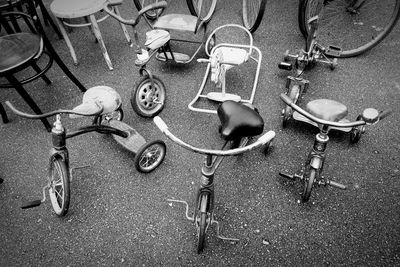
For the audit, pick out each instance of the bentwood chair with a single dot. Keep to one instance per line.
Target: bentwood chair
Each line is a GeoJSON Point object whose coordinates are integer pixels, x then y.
{"type": "Point", "coordinates": [20, 51]}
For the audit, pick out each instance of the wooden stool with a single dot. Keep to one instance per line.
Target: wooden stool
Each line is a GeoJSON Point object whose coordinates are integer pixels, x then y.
{"type": "Point", "coordinates": [85, 9]}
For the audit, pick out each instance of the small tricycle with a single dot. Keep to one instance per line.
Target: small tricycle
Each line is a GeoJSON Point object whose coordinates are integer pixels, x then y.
{"type": "Point", "coordinates": [240, 123]}
{"type": "Point", "coordinates": [104, 104]}
{"type": "Point", "coordinates": [326, 114]}
{"type": "Point", "coordinates": [148, 96]}
{"type": "Point", "coordinates": [223, 57]}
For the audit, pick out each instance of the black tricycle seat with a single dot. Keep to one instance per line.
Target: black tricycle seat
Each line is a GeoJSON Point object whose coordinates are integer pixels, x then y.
{"type": "Point", "coordinates": [239, 120]}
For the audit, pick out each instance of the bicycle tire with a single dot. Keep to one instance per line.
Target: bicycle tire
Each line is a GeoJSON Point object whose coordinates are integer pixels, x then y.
{"type": "Point", "coordinates": [287, 112]}
{"type": "Point", "coordinates": [202, 223]}
{"type": "Point", "coordinates": [151, 14]}
{"type": "Point", "coordinates": [356, 31]}
{"type": "Point", "coordinates": [59, 190]}
{"type": "Point", "coordinates": [150, 156]}
{"type": "Point", "coordinates": [308, 184]}
{"type": "Point", "coordinates": [146, 100]}
{"type": "Point", "coordinates": [207, 9]}
{"type": "Point", "coordinates": [252, 13]}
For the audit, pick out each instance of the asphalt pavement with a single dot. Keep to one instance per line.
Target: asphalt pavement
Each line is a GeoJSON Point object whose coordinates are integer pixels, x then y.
{"type": "Point", "coordinates": [120, 217]}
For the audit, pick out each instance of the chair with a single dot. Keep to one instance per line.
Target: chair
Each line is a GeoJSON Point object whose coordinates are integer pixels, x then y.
{"type": "Point", "coordinates": [20, 5]}
{"type": "Point", "coordinates": [20, 51]}
{"type": "Point", "coordinates": [65, 11]}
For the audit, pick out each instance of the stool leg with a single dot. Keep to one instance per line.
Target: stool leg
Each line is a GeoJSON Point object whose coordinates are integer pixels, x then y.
{"type": "Point", "coordinates": [97, 33]}
{"type": "Point", "coordinates": [46, 17]}
{"type": "Point", "coordinates": [90, 28]}
{"type": "Point", "coordinates": [128, 38]}
{"type": "Point", "coordinates": [3, 114]}
{"type": "Point", "coordinates": [28, 99]}
{"type": "Point", "coordinates": [67, 40]}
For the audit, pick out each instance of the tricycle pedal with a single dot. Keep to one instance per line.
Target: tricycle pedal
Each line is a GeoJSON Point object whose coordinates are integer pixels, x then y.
{"type": "Point", "coordinates": [335, 184]}
{"type": "Point", "coordinates": [333, 51]}
{"type": "Point", "coordinates": [288, 176]}
{"type": "Point", "coordinates": [31, 204]}
{"type": "Point", "coordinates": [285, 66]}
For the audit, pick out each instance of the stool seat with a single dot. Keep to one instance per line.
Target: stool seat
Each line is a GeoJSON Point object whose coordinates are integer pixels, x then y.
{"type": "Point", "coordinates": [76, 8]}
{"type": "Point", "coordinates": [327, 109]}
{"type": "Point", "coordinates": [177, 22]}
{"type": "Point", "coordinates": [239, 120]}
{"type": "Point", "coordinates": [22, 46]}
{"type": "Point", "coordinates": [65, 10]}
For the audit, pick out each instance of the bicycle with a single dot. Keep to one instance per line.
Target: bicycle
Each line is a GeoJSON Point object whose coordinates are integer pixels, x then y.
{"type": "Point", "coordinates": [148, 96]}
{"type": "Point", "coordinates": [307, 58]}
{"type": "Point", "coordinates": [252, 13]}
{"type": "Point", "coordinates": [239, 124]}
{"type": "Point", "coordinates": [326, 115]}
{"type": "Point", "coordinates": [354, 25]}
{"type": "Point", "coordinates": [223, 57]}
{"type": "Point", "coordinates": [104, 104]}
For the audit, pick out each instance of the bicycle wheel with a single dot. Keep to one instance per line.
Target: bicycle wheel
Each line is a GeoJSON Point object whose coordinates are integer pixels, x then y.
{"type": "Point", "coordinates": [151, 14]}
{"type": "Point", "coordinates": [309, 180]}
{"type": "Point", "coordinates": [148, 100]}
{"type": "Point", "coordinates": [207, 8]}
{"type": "Point", "coordinates": [287, 112]}
{"type": "Point", "coordinates": [59, 190]}
{"type": "Point", "coordinates": [201, 223]}
{"type": "Point", "coordinates": [356, 132]}
{"type": "Point", "coordinates": [355, 26]}
{"type": "Point", "coordinates": [150, 156]}
{"type": "Point", "coordinates": [253, 12]}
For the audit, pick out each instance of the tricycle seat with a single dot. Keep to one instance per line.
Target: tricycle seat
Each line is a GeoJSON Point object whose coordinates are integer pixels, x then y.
{"type": "Point", "coordinates": [239, 120]}
{"type": "Point", "coordinates": [327, 109]}
{"type": "Point", "coordinates": [177, 22]}
{"type": "Point", "coordinates": [156, 38]}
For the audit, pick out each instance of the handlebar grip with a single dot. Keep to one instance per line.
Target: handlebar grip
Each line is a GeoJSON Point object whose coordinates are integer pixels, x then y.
{"type": "Point", "coordinates": [337, 185]}
{"type": "Point", "coordinates": [265, 138]}
{"type": "Point", "coordinates": [160, 124]}
{"type": "Point", "coordinates": [383, 114]}
{"type": "Point", "coordinates": [286, 99]}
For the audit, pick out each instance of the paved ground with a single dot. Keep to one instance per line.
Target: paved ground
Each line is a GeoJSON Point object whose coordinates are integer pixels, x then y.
{"type": "Point", "coordinates": [121, 217]}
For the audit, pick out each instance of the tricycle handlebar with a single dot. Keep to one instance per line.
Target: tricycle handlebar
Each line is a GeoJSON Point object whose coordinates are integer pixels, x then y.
{"type": "Point", "coordinates": [264, 139]}
{"type": "Point", "coordinates": [52, 113]}
{"type": "Point", "coordinates": [363, 121]}
{"type": "Point", "coordinates": [134, 22]}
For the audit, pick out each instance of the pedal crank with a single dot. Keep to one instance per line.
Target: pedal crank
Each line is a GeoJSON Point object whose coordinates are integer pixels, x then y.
{"type": "Point", "coordinates": [76, 168]}
{"type": "Point", "coordinates": [291, 177]}
{"type": "Point", "coordinates": [221, 236]}
{"type": "Point", "coordinates": [190, 218]}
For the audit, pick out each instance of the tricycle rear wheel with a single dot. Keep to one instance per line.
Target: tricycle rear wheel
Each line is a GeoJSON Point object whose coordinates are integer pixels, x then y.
{"type": "Point", "coordinates": [150, 156]}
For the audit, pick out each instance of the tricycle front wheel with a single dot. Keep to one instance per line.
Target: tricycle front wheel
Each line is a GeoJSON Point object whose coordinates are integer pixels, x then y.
{"type": "Point", "coordinates": [148, 99]}
{"type": "Point", "coordinates": [150, 156]}
{"type": "Point", "coordinates": [59, 190]}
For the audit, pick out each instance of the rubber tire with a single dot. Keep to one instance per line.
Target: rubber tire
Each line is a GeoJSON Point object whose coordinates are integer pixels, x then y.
{"type": "Point", "coordinates": [151, 15]}
{"type": "Point", "coordinates": [253, 27]}
{"type": "Point", "coordinates": [143, 149]}
{"type": "Point", "coordinates": [308, 184]}
{"type": "Point", "coordinates": [193, 11]}
{"type": "Point", "coordinates": [294, 93]}
{"type": "Point", "coordinates": [302, 22]}
{"type": "Point", "coordinates": [356, 132]}
{"type": "Point", "coordinates": [60, 208]}
{"type": "Point", "coordinates": [143, 108]}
